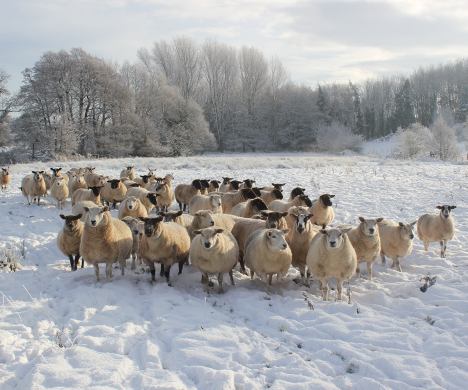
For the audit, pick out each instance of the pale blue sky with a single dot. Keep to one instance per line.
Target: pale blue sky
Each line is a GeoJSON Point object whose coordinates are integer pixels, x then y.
{"type": "Point", "coordinates": [316, 40]}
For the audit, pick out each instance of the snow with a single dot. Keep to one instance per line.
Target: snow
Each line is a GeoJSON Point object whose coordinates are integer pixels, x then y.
{"type": "Point", "coordinates": [134, 334]}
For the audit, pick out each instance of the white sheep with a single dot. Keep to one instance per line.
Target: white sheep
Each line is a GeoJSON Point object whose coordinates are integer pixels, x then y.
{"type": "Point", "coordinates": [165, 197]}
{"type": "Point", "coordinates": [280, 205]}
{"type": "Point", "coordinates": [178, 217]}
{"type": "Point", "coordinates": [224, 187]}
{"type": "Point", "coordinates": [249, 208]}
{"type": "Point", "coordinates": [137, 228]}
{"type": "Point", "coordinates": [437, 227]}
{"type": "Point", "coordinates": [365, 239]}
{"type": "Point", "coordinates": [143, 180]}
{"type": "Point", "coordinates": [231, 199]}
{"type": "Point", "coordinates": [206, 202]}
{"type": "Point", "coordinates": [273, 186]}
{"type": "Point", "coordinates": [184, 192]}
{"type": "Point", "coordinates": [214, 251]}
{"type": "Point", "coordinates": [79, 208]}
{"type": "Point", "coordinates": [93, 194]}
{"type": "Point", "coordinates": [331, 254]}
{"type": "Point", "coordinates": [59, 192]}
{"type": "Point", "coordinates": [56, 173]}
{"type": "Point", "coordinates": [128, 172]}
{"type": "Point", "coordinates": [114, 191]}
{"type": "Point", "coordinates": [201, 219]}
{"type": "Point", "coordinates": [396, 240]}
{"type": "Point", "coordinates": [77, 183]}
{"type": "Point", "coordinates": [132, 207]}
{"type": "Point", "coordinates": [33, 186]}
{"type": "Point", "coordinates": [94, 180]}
{"type": "Point", "coordinates": [299, 240]}
{"type": "Point", "coordinates": [105, 240]}
{"type": "Point", "coordinates": [47, 180]}
{"type": "Point", "coordinates": [322, 210]}
{"type": "Point", "coordinates": [69, 239]}
{"type": "Point", "coordinates": [290, 221]}
{"type": "Point", "coordinates": [5, 178]}
{"type": "Point", "coordinates": [267, 253]}
{"type": "Point", "coordinates": [166, 243]}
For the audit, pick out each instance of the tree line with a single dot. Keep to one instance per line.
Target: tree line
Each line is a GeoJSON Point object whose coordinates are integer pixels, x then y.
{"type": "Point", "coordinates": [181, 97]}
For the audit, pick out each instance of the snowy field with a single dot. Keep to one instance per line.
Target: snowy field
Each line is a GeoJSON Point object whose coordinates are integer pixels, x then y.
{"type": "Point", "coordinates": [60, 330]}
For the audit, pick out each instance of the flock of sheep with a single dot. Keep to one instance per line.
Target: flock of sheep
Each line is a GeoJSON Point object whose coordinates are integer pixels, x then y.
{"type": "Point", "coordinates": [227, 222]}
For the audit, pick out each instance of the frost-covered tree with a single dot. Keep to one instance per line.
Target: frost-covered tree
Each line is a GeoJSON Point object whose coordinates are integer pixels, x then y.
{"type": "Point", "coordinates": [461, 114]}
{"type": "Point", "coordinates": [415, 141]}
{"type": "Point", "coordinates": [444, 143]}
{"type": "Point", "coordinates": [336, 138]}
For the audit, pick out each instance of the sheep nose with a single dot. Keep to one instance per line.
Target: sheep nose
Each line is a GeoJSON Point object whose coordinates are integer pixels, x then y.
{"type": "Point", "coordinates": [300, 229]}
{"type": "Point", "coordinates": [332, 244]}
{"type": "Point", "coordinates": [411, 236]}
{"type": "Point", "coordinates": [371, 231]}
{"type": "Point", "coordinates": [212, 223]}
{"type": "Point", "coordinates": [93, 223]}
{"type": "Point", "coordinates": [284, 246]}
{"type": "Point", "coordinates": [207, 245]}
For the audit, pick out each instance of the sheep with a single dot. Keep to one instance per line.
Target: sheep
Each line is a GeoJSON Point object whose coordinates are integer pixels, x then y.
{"type": "Point", "coordinates": [136, 228]}
{"type": "Point", "coordinates": [59, 191]}
{"type": "Point", "coordinates": [206, 202]}
{"type": "Point", "coordinates": [280, 205]}
{"type": "Point", "coordinates": [234, 185]}
{"type": "Point", "coordinates": [295, 192]}
{"type": "Point", "coordinates": [267, 253]}
{"type": "Point", "coordinates": [243, 228]}
{"type": "Point", "coordinates": [143, 180]}
{"type": "Point", "coordinates": [129, 183]}
{"type": "Point", "coordinates": [70, 175]}
{"type": "Point", "coordinates": [47, 180]}
{"type": "Point", "coordinates": [396, 240]}
{"type": "Point", "coordinates": [365, 239]}
{"type": "Point", "coordinates": [322, 210]}
{"type": "Point", "coordinates": [231, 199]}
{"type": "Point", "coordinates": [33, 186]}
{"type": "Point", "coordinates": [166, 243]}
{"type": "Point", "coordinates": [214, 186]}
{"type": "Point", "coordinates": [290, 221]}
{"type": "Point", "coordinates": [247, 183]}
{"type": "Point", "coordinates": [331, 254]}
{"type": "Point", "coordinates": [270, 196]}
{"type": "Point", "coordinates": [79, 208]}
{"type": "Point", "coordinates": [168, 179]}
{"type": "Point", "coordinates": [114, 191]}
{"type": "Point", "coordinates": [201, 219]}
{"type": "Point", "coordinates": [299, 241]}
{"type": "Point", "coordinates": [214, 251]}
{"type": "Point", "coordinates": [94, 180]}
{"type": "Point", "coordinates": [69, 239]}
{"type": "Point", "coordinates": [56, 173]}
{"type": "Point", "coordinates": [93, 194]}
{"type": "Point", "coordinates": [128, 172]}
{"type": "Point", "coordinates": [224, 187]}
{"type": "Point", "coordinates": [177, 216]}
{"type": "Point", "coordinates": [205, 184]}
{"type": "Point", "coordinates": [165, 197]}
{"type": "Point", "coordinates": [249, 208]}
{"type": "Point", "coordinates": [78, 171]}
{"type": "Point", "coordinates": [105, 240]}
{"type": "Point", "coordinates": [226, 221]}
{"type": "Point", "coordinates": [184, 192]}
{"type": "Point", "coordinates": [276, 186]}
{"type": "Point", "coordinates": [78, 182]}
{"type": "Point", "coordinates": [5, 178]}
{"type": "Point", "coordinates": [437, 227]}
{"type": "Point", "coordinates": [148, 199]}
{"type": "Point", "coordinates": [132, 207]}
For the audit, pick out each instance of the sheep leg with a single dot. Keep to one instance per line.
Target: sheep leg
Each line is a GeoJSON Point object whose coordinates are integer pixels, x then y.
{"type": "Point", "coordinates": [180, 205]}
{"type": "Point", "coordinates": [109, 273]}
{"type": "Point", "coordinates": [220, 283]}
{"type": "Point", "coordinates": [426, 245]}
{"type": "Point", "coordinates": [324, 286]}
{"type": "Point", "coordinates": [167, 272]}
{"type": "Point", "coordinates": [161, 273]}
{"type": "Point", "coordinates": [77, 260]}
{"type": "Point", "coordinates": [123, 265]}
{"type": "Point", "coordinates": [27, 197]}
{"type": "Point", "coordinates": [358, 271]}
{"type": "Point", "coordinates": [263, 277]}
{"type": "Point", "coordinates": [369, 268]}
{"type": "Point", "coordinates": [308, 279]}
{"type": "Point", "coordinates": [270, 279]}
{"type": "Point", "coordinates": [206, 280]}
{"type": "Point", "coordinates": [302, 271]}
{"type": "Point", "coordinates": [396, 263]}
{"type": "Point", "coordinates": [96, 271]}
{"type": "Point", "coordinates": [185, 206]}
{"type": "Point", "coordinates": [38, 200]}
{"type": "Point", "coordinates": [242, 264]}
{"type": "Point", "coordinates": [279, 277]}
{"type": "Point", "coordinates": [443, 247]}
{"type": "Point", "coordinates": [153, 271]}
{"type": "Point", "coordinates": [382, 256]}
{"type": "Point", "coordinates": [181, 264]}
{"type": "Point", "coordinates": [72, 263]}
{"type": "Point", "coordinates": [82, 261]}
{"type": "Point", "coordinates": [133, 266]}
{"type": "Point", "coordinates": [232, 278]}
{"type": "Point", "coordinates": [251, 274]}
{"type": "Point", "coordinates": [339, 288]}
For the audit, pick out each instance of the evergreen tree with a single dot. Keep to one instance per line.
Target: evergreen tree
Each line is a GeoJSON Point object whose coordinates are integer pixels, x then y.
{"type": "Point", "coordinates": [404, 110]}
{"type": "Point", "coordinates": [369, 122]}
{"type": "Point", "coordinates": [461, 114]}
{"type": "Point", "coordinates": [358, 115]}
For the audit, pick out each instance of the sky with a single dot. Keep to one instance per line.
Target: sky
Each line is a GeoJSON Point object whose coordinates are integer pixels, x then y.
{"type": "Point", "coordinates": [317, 40]}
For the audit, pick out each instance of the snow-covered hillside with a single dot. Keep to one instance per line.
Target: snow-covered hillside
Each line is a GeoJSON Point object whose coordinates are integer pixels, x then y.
{"type": "Point", "coordinates": [58, 329]}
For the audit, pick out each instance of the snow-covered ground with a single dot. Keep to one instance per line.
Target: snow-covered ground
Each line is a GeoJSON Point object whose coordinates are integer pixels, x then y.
{"type": "Point", "coordinates": [58, 329]}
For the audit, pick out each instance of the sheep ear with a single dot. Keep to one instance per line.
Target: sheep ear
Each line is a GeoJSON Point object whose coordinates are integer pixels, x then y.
{"type": "Point", "coordinates": [361, 219]}
{"type": "Point", "coordinates": [197, 214]}
{"type": "Point", "coordinates": [63, 216]}
{"type": "Point", "coordinates": [293, 215]}
{"type": "Point", "coordinates": [323, 231]}
{"type": "Point", "coordinates": [86, 209]}
{"type": "Point", "coordinates": [106, 208]}
{"type": "Point", "coordinates": [218, 231]}
{"type": "Point", "coordinates": [75, 217]}
{"type": "Point", "coordinates": [41, 172]}
{"type": "Point", "coordinates": [179, 213]}
{"type": "Point", "coordinates": [331, 196]}
{"type": "Point", "coordinates": [439, 207]}
{"type": "Point", "coordinates": [346, 230]}
{"type": "Point", "coordinates": [144, 219]}
{"type": "Point", "coordinates": [286, 231]}
{"type": "Point", "coordinates": [452, 207]}
{"type": "Point", "coordinates": [265, 214]}
{"type": "Point", "coordinates": [379, 220]}
{"type": "Point", "coordinates": [401, 224]}
{"type": "Point", "coordinates": [159, 219]}
{"type": "Point", "coordinates": [413, 223]}
{"type": "Point", "coordinates": [284, 214]}
{"type": "Point", "coordinates": [162, 213]}
{"type": "Point", "coordinates": [196, 232]}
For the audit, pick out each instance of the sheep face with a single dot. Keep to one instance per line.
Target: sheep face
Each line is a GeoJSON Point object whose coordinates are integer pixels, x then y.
{"type": "Point", "coordinates": [95, 215]}
{"type": "Point", "coordinates": [131, 203]}
{"type": "Point", "coordinates": [152, 197]}
{"type": "Point", "coordinates": [407, 231]}
{"type": "Point", "coordinates": [306, 200]}
{"type": "Point", "coordinates": [38, 175]}
{"type": "Point", "coordinates": [446, 210]}
{"type": "Point", "coordinates": [71, 174]}
{"type": "Point", "coordinates": [152, 172]}
{"type": "Point", "coordinates": [55, 170]}
{"type": "Point", "coordinates": [256, 191]}
{"type": "Point", "coordinates": [278, 186]}
{"type": "Point", "coordinates": [259, 204]}
{"type": "Point", "coordinates": [215, 183]}
{"type": "Point", "coordinates": [368, 225]}
{"type": "Point", "coordinates": [205, 218]}
{"type": "Point", "coordinates": [114, 183]}
{"type": "Point", "coordinates": [151, 226]}
{"type": "Point", "coordinates": [205, 183]}
{"type": "Point", "coordinates": [301, 221]}
{"type": "Point", "coordinates": [296, 191]}
{"type": "Point", "coordinates": [59, 182]}
{"type": "Point", "coordinates": [235, 184]}
{"type": "Point", "coordinates": [248, 193]}
{"type": "Point", "coordinates": [80, 179]}
{"type": "Point", "coordinates": [209, 237]}
{"type": "Point", "coordinates": [227, 180]}
{"type": "Point", "coordinates": [334, 238]}
{"type": "Point", "coordinates": [277, 194]}
{"type": "Point", "coordinates": [197, 184]}
{"type": "Point", "coordinates": [275, 239]}
{"type": "Point", "coordinates": [133, 224]}
{"type": "Point", "coordinates": [6, 171]}
{"type": "Point", "coordinates": [216, 200]}
{"type": "Point", "coordinates": [249, 183]}
{"type": "Point", "coordinates": [72, 222]}
{"type": "Point", "coordinates": [129, 169]}
{"type": "Point", "coordinates": [171, 216]}
{"type": "Point", "coordinates": [326, 199]}
{"type": "Point", "coordinates": [273, 218]}
{"type": "Point", "coordinates": [169, 176]}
